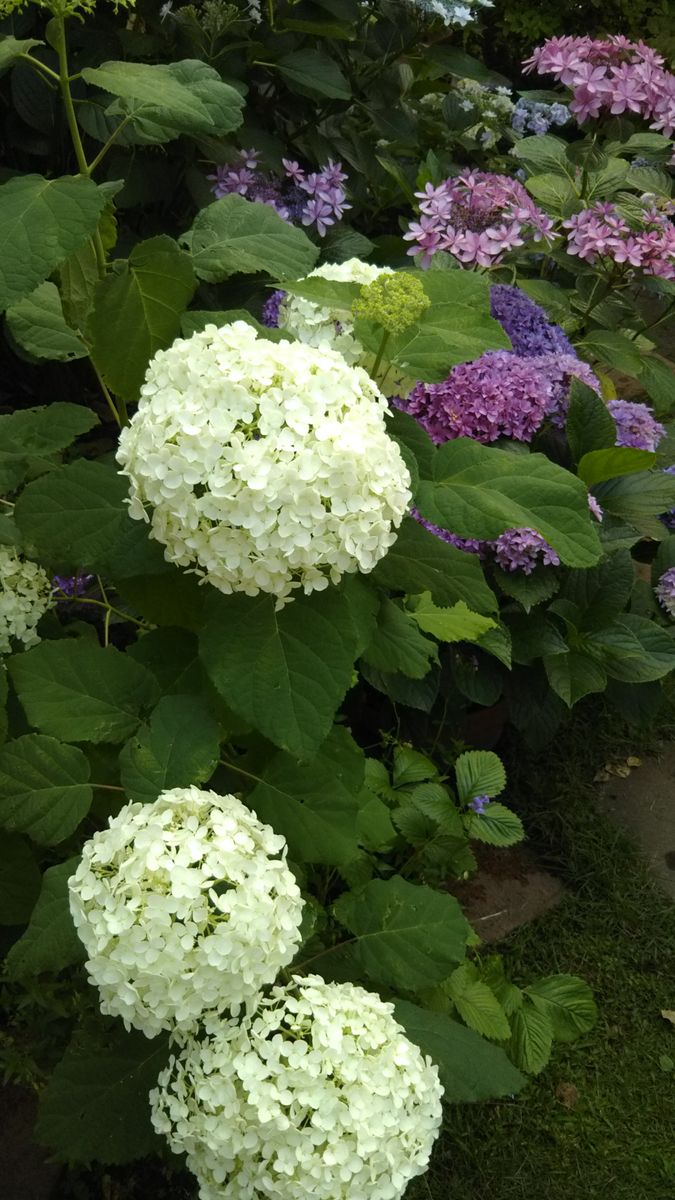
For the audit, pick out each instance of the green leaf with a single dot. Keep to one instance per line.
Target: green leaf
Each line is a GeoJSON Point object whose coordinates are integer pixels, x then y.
{"type": "Point", "coordinates": [470, 1068]}
{"type": "Point", "coordinates": [589, 425]}
{"type": "Point", "coordinates": [479, 773]}
{"type": "Point", "coordinates": [568, 1003]}
{"type": "Point", "coordinates": [405, 935]}
{"type": "Point", "coordinates": [634, 649]}
{"type": "Point", "coordinates": [12, 48]}
{"type": "Point", "coordinates": [614, 349]}
{"type": "Point", "coordinates": [38, 325]}
{"type": "Point", "coordinates": [544, 153]}
{"type": "Point", "coordinates": [420, 562]}
{"type": "Point", "coordinates": [95, 1106]}
{"type": "Point", "coordinates": [398, 645]}
{"type": "Point", "coordinates": [283, 672]}
{"type": "Point", "coordinates": [531, 1038]}
{"type": "Point", "coordinates": [497, 825]}
{"type": "Point", "coordinates": [657, 380]}
{"type": "Point", "coordinates": [4, 691]}
{"type": "Point", "coordinates": [42, 221]}
{"type": "Point", "coordinates": [30, 437]}
{"type": "Point", "coordinates": [314, 74]}
{"type": "Point", "coordinates": [80, 692]}
{"type": "Point", "coordinates": [138, 306]}
{"type": "Point", "coordinates": [637, 496]}
{"type": "Point", "coordinates": [529, 590]}
{"type": "Point", "coordinates": [78, 276]}
{"type": "Point", "coordinates": [75, 514]}
{"type": "Point", "coordinates": [411, 767]}
{"type": "Point", "coordinates": [236, 235]}
{"type": "Point", "coordinates": [315, 804]}
{"type": "Point", "coordinates": [415, 693]}
{"type": "Point", "coordinates": [598, 465]}
{"type": "Point", "coordinates": [178, 747]}
{"type": "Point", "coordinates": [477, 1004]}
{"type": "Point", "coordinates": [480, 492]}
{"type": "Point", "coordinates": [172, 655]}
{"type": "Point", "coordinates": [195, 320]}
{"type": "Point", "coordinates": [456, 624]}
{"type": "Point", "coordinates": [601, 593]}
{"type": "Point", "coordinates": [20, 880]}
{"type": "Point", "coordinates": [183, 97]}
{"type": "Point", "coordinates": [373, 824]}
{"type": "Point", "coordinates": [50, 942]}
{"type": "Point", "coordinates": [574, 675]}
{"type": "Point", "coordinates": [44, 788]}
{"type": "Point", "coordinates": [555, 192]}
{"type": "Point", "coordinates": [606, 182]}
{"type": "Point", "coordinates": [435, 802]}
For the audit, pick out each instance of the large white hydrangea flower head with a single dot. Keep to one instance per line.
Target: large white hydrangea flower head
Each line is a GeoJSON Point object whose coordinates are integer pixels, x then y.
{"type": "Point", "coordinates": [184, 905]}
{"type": "Point", "coordinates": [318, 326]}
{"type": "Point", "coordinates": [266, 466]}
{"type": "Point", "coordinates": [25, 596]}
{"type": "Point", "coordinates": [316, 1094]}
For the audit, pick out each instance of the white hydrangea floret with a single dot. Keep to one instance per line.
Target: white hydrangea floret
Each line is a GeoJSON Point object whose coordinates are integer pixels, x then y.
{"type": "Point", "coordinates": [25, 596]}
{"type": "Point", "coordinates": [267, 466]}
{"type": "Point", "coordinates": [184, 905]}
{"type": "Point", "coordinates": [316, 1094]}
{"type": "Point", "coordinates": [318, 326]}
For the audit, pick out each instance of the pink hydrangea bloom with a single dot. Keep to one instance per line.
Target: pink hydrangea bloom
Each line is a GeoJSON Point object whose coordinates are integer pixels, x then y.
{"type": "Point", "coordinates": [612, 75]}
{"type": "Point", "coordinates": [317, 199]}
{"type": "Point", "coordinates": [601, 231]}
{"type": "Point", "coordinates": [478, 217]}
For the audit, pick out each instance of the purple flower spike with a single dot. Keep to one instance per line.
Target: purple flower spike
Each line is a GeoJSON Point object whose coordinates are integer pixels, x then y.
{"type": "Point", "coordinates": [479, 804]}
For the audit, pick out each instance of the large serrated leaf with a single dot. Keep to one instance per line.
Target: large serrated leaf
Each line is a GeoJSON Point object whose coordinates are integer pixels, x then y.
{"type": "Point", "coordinates": [38, 325]}
{"type": "Point", "coordinates": [479, 773]}
{"type": "Point", "coordinates": [470, 1068]}
{"type": "Point", "coordinates": [50, 942]}
{"type": "Point", "coordinates": [477, 1004]}
{"type": "Point", "coordinates": [182, 97]}
{"type": "Point", "coordinates": [95, 1106]}
{"type": "Point", "coordinates": [314, 74]}
{"type": "Point", "coordinates": [178, 747]}
{"type": "Point", "coordinates": [75, 514]}
{"type": "Point", "coordinates": [568, 1003]}
{"type": "Point", "coordinates": [42, 221]}
{"type": "Point", "coordinates": [420, 562]}
{"type": "Point", "coordinates": [139, 307]}
{"type": "Point", "coordinates": [30, 437]}
{"type": "Point", "coordinates": [398, 645]}
{"type": "Point", "coordinates": [236, 235]}
{"type": "Point", "coordinates": [531, 1038]}
{"type": "Point", "coordinates": [80, 692]}
{"type": "Point", "coordinates": [497, 825]}
{"type": "Point", "coordinates": [455, 624]}
{"type": "Point", "coordinates": [44, 788]}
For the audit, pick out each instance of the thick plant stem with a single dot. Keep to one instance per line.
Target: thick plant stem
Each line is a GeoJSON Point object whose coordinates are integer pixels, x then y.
{"type": "Point", "coordinates": [380, 353]}
{"type": "Point", "coordinates": [64, 83]}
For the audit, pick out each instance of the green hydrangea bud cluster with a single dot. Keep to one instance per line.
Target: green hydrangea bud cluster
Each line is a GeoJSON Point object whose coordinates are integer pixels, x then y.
{"type": "Point", "coordinates": [394, 301]}
{"type": "Point", "coordinates": [60, 8]}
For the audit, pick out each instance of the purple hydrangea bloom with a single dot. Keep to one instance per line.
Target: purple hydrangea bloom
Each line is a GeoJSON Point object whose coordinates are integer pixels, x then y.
{"type": "Point", "coordinates": [668, 518]}
{"type": "Point", "coordinates": [636, 425]}
{"type": "Point", "coordinates": [469, 545]}
{"type": "Point", "coordinates": [72, 585]}
{"type": "Point", "coordinates": [523, 550]}
{"type": "Point", "coordinates": [479, 804]}
{"type": "Point", "coordinates": [560, 369]}
{"type": "Point", "coordinates": [316, 199]}
{"type": "Point", "coordinates": [526, 323]}
{"type": "Point", "coordinates": [270, 310]}
{"type": "Point", "coordinates": [665, 591]}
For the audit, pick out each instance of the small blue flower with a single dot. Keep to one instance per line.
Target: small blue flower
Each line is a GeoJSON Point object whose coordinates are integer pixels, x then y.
{"type": "Point", "coordinates": [479, 804]}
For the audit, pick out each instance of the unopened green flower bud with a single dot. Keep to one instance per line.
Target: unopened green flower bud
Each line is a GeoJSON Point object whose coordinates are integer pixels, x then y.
{"type": "Point", "coordinates": [394, 301]}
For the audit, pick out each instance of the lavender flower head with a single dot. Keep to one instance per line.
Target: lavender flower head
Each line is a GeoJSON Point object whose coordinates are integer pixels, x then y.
{"type": "Point", "coordinates": [635, 425]}
{"type": "Point", "coordinates": [270, 309]}
{"type": "Point", "coordinates": [526, 323]}
{"type": "Point", "coordinates": [72, 585]}
{"type": "Point", "coordinates": [665, 591]}
{"type": "Point", "coordinates": [316, 199]}
{"type": "Point", "coordinates": [523, 550]}
{"type": "Point", "coordinates": [479, 804]}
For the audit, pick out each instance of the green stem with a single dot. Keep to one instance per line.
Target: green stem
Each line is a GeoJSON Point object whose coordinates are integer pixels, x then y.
{"type": "Point", "coordinates": [40, 66]}
{"type": "Point", "coordinates": [64, 83]}
{"type": "Point", "coordinates": [120, 416]}
{"type": "Point", "coordinates": [585, 170]}
{"type": "Point", "coordinates": [380, 354]}
{"type": "Point", "coordinates": [113, 136]}
{"type": "Point", "coordinates": [110, 608]}
{"type": "Point", "coordinates": [240, 771]}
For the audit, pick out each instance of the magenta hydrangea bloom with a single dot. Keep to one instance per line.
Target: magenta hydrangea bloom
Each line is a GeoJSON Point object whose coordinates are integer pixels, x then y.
{"type": "Point", "coordinates": [317, 199]}
{"type": "Point", "coordinates": [526, 323]}
{"type": "Point", "coordinates": [601, 231]}
{"type": "Point", "coordinates": [665, 591]}
{"type": "Point", "coordinates": [636, 425]}
{"type": "Point", "coordinates": [477, 217]}
{"type": "Point", "coordinates": [523, 550]}
{"type": "Point", "coordinates": [610, 76]}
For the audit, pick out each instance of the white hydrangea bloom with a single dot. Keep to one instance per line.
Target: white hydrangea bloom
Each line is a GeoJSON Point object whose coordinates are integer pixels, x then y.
{"type": "Point", "coordinates": [317, 1094]}
{"type": "Point", "coordinates": [267, 465]}
{"type": "Point", "coordinates": [184, 905]}
{"type": "Point", "coordinates": [25, 597]}
{"type": "Point", "coordinates": [318, 326]}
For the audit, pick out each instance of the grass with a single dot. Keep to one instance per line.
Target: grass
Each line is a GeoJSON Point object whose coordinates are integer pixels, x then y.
{"type": "Point", "coordinates": [617, 930]}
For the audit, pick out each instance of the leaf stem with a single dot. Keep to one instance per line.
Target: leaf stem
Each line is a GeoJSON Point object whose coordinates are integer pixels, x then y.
{"type": "Point", "coordinates": [110, 608]}
{"type": "Point", "coordinates": [40, 66]}
{"type": "Point", "coordinates": [240, 771]}
{"type": "Point", "coordinates": [380, 353]}
{"type": "Point", "coordinates": [64, 83]}
{"type": "Point", "coordinates": [104, 150]}
{"type": "Point", "coordinates": [120, 418]}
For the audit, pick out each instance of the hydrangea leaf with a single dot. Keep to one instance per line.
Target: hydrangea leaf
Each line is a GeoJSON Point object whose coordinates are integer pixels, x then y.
{"type": "Point", "coordinates": [172, 655]}
{"type": "Point", "coordinates": [405, 935]}
{"type": "Point", "coordinates": [401, 689]}
{"type": "Point", "coordinates": [95, 1106]}
{"type": "Point", "coordinates": [315, 804]}
{"type": "Point", "coordinates": [479, 773]}
{"type": "Point", "coordinates": [42, 221]}
{"type": "Point", "coordinates": [634, 649]}
{"type": "Point", "coordinates": [50, 942]}
{"type": "Point", "coordinates": [470, 1068]}
{"type": "Point", "coordinates": [75, 514]}
{"type": "Point", "coordinates": [178, 747]}
{"type": "Point", "coordinates": [236, 235]}
{"type": "Point", "coordinates": [568, 1003]}
{"type": "Point", "coordinates": [529, 590]}
{"type": "Point", "coordinates": [639, 496]}
{"type": "Point", "coordinates": [556, 193]}
{"type": "Point", "coordinates": [139, 306]}
{"type": "Point", "coordinates": [614, 349]}
{"type": "Point", "coordinates": [19, 880]}
{"type": "Point", "coordinates": [44, 788]}
{"type": "Point", "coordinates": [38, 326]}
{"type": "Point", "coordinates": [574, 675]}
{"type": "Point", "coordinates": [4, 691]}
{"type": "Point", "coordinates": [12, 48]}
{"type": "Point", "coordinates": [283, 672]}
{"type": "Point", "coordinates": [543, 152]}
{"type": "Point", "coordinates": [30, 437]}
{"type": "Point", "coordinates": [314, 74]}
{"type": "Point", "coordinates": [480, 492]}
{"type": "Point", "coordinates": [601, 593]}
{"type": "Point", "coordinates": [80, 692]}
{"type": "Point", "coordinates": [455, 624]}
{"type": "Point", "coordinates": [598, 465]}
{"type": "Point", "coordinates": [420, 562]}
{"type": "Point", "coordinates": [194, 320]}
{"type": "Point", "coordinates": [398, 645]}
{"type": "Point", "coordinates": [183, 97]}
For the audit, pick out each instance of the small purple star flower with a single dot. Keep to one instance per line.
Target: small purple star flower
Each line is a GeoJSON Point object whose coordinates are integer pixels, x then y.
{"type": "Point", "coordinates": [479, 804]}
